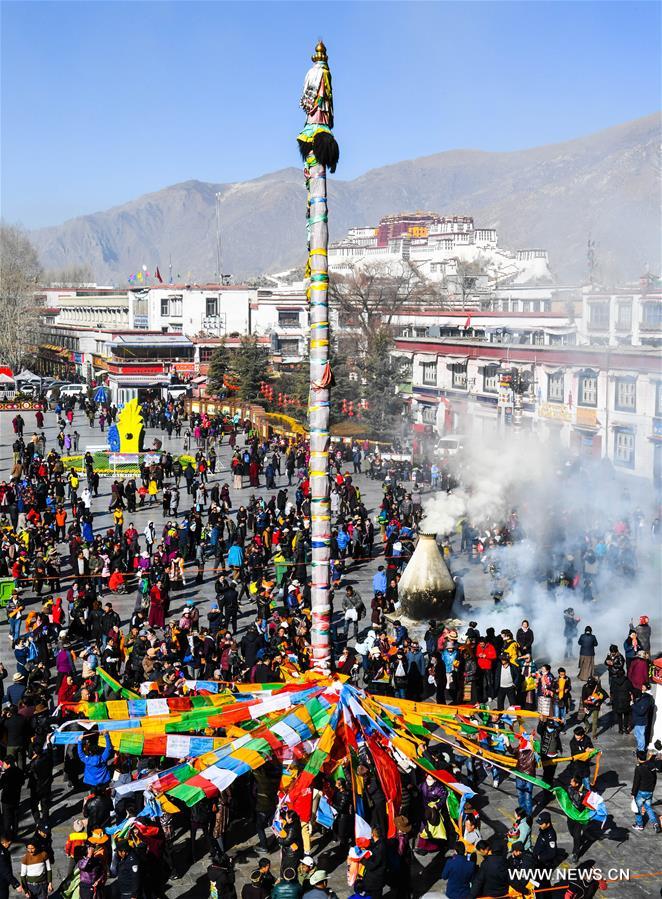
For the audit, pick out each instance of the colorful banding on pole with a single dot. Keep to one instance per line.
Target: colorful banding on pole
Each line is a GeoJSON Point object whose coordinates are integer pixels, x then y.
{"type": "Point", "coordinates": [319, 151]}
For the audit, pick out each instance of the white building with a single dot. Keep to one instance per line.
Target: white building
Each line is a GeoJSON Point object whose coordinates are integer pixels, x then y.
{"type": "Point", "coordinates": [623, 317]}
{"type": "Point", "coordinates": [596, 401]}
{"type": "Point", "coordinates": [443, 248]}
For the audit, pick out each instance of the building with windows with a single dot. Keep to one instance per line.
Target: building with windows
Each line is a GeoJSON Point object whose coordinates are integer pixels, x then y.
{"type": "Point", "coordinates": [595, 401]}
{"type": "Point", "coordinates": [624, 317]}
{"type": "Point", "coordinates": [448, 249]}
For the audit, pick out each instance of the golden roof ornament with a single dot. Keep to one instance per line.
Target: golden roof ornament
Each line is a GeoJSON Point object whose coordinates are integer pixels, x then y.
{"type": "Point", "coordinates": [320, 53]}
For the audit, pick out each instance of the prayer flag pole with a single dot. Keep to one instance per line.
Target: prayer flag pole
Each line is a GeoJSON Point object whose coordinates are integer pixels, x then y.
{"type": "Point", "coordinates": [319, 151]}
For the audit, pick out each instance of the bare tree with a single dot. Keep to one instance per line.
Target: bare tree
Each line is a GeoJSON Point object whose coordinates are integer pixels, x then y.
{"type": "Point", "coordinates": [76, 276]}
{"type": "Point", "coordinates": [463, 283]}
{"type": "Point", "coordinates": [19, 308]}
{"type": "Point", "coordinates": [369, 297]}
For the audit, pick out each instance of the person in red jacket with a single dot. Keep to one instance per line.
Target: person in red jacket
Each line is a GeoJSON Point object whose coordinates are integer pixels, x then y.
{"type": "Point", "coordinates": [486, 659]}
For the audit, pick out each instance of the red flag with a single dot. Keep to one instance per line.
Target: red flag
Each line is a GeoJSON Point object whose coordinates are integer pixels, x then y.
{"type": "Point", "coordinates": [467, 323]}
{"type": "Point", "coordinates": [158, 275]}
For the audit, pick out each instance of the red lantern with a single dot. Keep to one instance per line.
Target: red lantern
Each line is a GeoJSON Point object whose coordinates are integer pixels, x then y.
{"type": "Point", "coordinates": [351, 408]}
{"type": "Point", "coordinates": [344, 407]}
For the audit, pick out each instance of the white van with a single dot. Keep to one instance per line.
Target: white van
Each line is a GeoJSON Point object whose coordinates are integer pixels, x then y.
{"type": "Point", "coordinates": [450, 446]}
{"type": "Point", "coordinates": [67, 391]}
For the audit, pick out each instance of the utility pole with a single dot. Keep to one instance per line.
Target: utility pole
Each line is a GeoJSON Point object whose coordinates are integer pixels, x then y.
{"type": "Point", "coordinates": [219, 267]}
{"type": "Point", "coordinates": [319, 151]}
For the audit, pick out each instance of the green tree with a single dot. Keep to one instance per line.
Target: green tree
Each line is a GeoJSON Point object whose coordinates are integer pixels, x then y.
{"type": "Point", "coordinates": [250, 367]}
{"type": "Point", "coordinates": [219, 366]}
{"type": "Point", "coordinates": [383, 372]}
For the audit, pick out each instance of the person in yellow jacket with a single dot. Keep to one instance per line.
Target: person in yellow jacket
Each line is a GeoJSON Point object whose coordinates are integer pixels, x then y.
{"type": "Point", "coordinates": [152, 490]}
{"type": "Point", "coordinates": [118, 517]}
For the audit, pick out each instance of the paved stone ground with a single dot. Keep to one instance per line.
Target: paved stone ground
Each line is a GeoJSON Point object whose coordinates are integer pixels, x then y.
{"type": "Point", "coordinates": [640, 853]}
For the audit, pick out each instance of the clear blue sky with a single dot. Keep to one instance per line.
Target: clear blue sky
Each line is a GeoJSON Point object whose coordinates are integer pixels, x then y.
{"type": "Point", "coordinates": [104, 101]}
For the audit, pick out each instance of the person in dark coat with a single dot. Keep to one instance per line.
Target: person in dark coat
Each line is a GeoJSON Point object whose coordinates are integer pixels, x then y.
{"type": "Point", "coordinates": [459, 871]}
{"type": "Point", "coordinates": [291, 841]}
{"type": "Point", "coordinates": [374, 874]}
{"type": "Point", "coordinates": [580, 742]}
{"type": "Point", "coordinates": [524, 637]}
{"type": "Point", "coordinates": [492, 878]}
{"type": "Point", "coordinates": [11, 783]}
{"type": "Point", "coordinates": [7, 877]}
{"type": "Point", "coordinates": [254, 889]}
{"type": "Point", "coordinates": [221, 874]}
{"type": "Point", "coordinates": [344, 822]}
{"type": "Point", "coordinates": [546, 847]}
{"type": "Point", "coordinates": [549, 733]}
{"type": "Point", "coordinates": [128, 872]}
{"type": "Point", "coordinates": [621, 699]}
{"type": "Point", "coordinates": [587, 645]}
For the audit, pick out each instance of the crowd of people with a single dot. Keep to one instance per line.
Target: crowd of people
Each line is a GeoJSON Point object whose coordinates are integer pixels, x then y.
{"type": "Point", "coordinates": [65, 632]}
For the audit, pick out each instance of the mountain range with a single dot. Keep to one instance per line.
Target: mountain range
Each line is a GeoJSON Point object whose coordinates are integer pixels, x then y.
{"type": "Point", "coordinates": [605, 185]}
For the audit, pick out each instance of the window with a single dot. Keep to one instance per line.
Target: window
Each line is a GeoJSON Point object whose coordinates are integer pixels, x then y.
{"type": "Point", "coordinates": [429, 415]}
{"type": "Point", "coordinates": [588, 390]}
{"type": "Point", "coordinates": [165, 306]}
{"type": "Point", "coordinates": [206, 352]}
{"type": "Point", "coordinates": [460, 375]}
{"type": "Point", "coordinates": [652, 315]}
{"type": "Point", "coordinates": [289, 347]}
{"type": "Point", "coordinates": [624, 448]}
{"type": "Point", "coordinates": [407, 370]}
{"type": "Point", "coordinates": [289, 319]}
{"type": "Point", "coordinates": [658, 399]}
{"type": "Point", "coordinates": [211, 306]}
{"type": "Point", "coordinates": [626, 395]}
{"type": "Point", "coordinates": [175, 306]}
{"type": "Point", "coordinates": [599, 315]}
{"type": "Point", "coordinates": [429, 373]}
{"type": "Point", "coordinates": [624, 315]}
{"type": "Point", "coordinates": [555, 387]}
{"type": "Point", "coordinates": [491, 379]}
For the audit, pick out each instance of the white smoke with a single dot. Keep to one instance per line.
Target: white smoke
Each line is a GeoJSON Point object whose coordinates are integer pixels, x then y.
{"type": "Point", "coordinates": [556, 503]}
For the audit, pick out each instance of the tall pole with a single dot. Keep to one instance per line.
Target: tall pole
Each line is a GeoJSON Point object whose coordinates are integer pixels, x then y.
{"type": "Point", "coordinates": [319, 151]}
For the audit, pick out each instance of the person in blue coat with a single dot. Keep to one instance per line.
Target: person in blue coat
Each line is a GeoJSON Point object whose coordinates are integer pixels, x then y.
{"type": "Point", "coordinates": [236, 556]}
{"type": "Point", "coordinates": [458, 871]}
{"type": "Point", "coordinates": [97, 772]}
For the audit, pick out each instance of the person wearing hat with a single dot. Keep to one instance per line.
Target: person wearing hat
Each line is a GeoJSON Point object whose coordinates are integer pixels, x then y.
{"type": "Point", "coordinates": [93, 865]}
{"type": "Point", "coordinates": [545, 848]}
{"type": "Point", "coordinates": [400, 857]}
{"type": "Point", "coordinates": [128, 872]}
{"type": "Point", "coordinates": [287, 887]}
{"type": "Point", "coordinates": [16, 689]}
{"type": "Point", "coordinates": [255, 889]}
{"type": "Point", "coordinates": [74, 848]}
{"type": "Point", "coordinates": [319, 887]}
{"type": "Point", "coordinates": [306, 869]}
